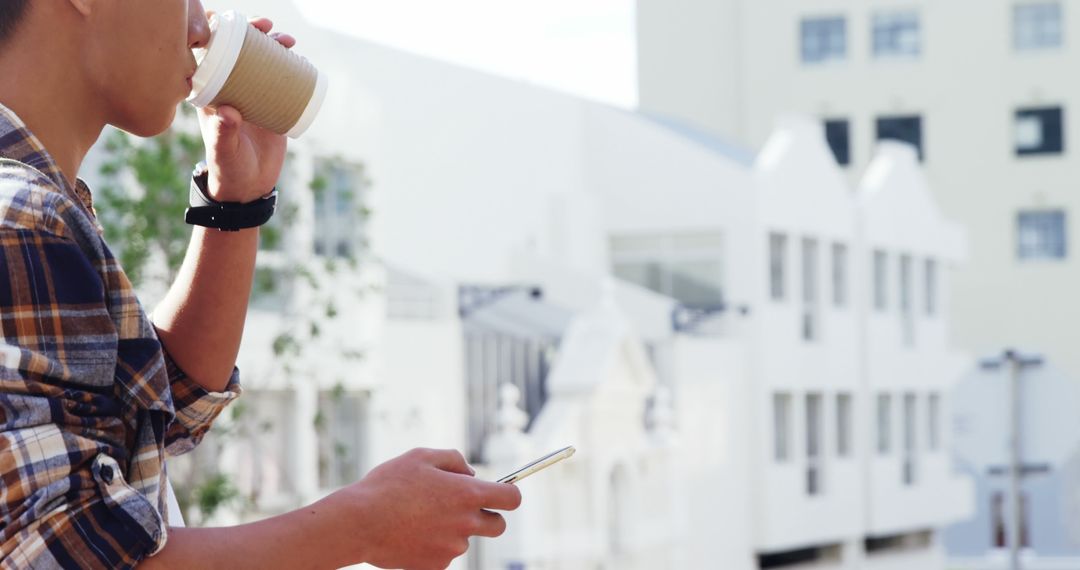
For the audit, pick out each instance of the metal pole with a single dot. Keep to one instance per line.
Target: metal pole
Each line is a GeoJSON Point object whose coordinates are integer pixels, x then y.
{"type": "Point", "coordinates": [1015, 460]}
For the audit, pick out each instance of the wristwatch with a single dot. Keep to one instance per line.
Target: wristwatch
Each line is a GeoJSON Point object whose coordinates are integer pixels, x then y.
{"type": "Point", "coordinates": [225, 216]}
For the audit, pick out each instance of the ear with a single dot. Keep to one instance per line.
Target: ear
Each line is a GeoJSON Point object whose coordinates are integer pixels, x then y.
{"type": "Point", "coordinates": [84, 7]}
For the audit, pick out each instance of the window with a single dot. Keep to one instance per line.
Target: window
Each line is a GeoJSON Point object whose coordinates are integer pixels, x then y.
{"type": "Point", "coordinates": [1000, 528]}
{"type": "Point", "coordinates": [1039, 131]}
{"type": "Point", "coordinates": [907, 317]}
{"type": "Point", "coordinates": [843, 425]}
{"type": "Point", "coordinates": [824, 39]}
{"type": "Point", "coordinates": [813, 444]}
{"type": "Point", "coordinates": [910, 442]}
{"type": "Point", "coordinates": [906, 129]}
{"type": "Point", "coordinates": [884, 429]}
{"type": "Point", "coordinates": [838, 135]}
{"type": "Point", "coordinates": [341, 423]}
{"type": "Point", "coordinates": [777, 253]}
{"type": "Point", "coordinates": [687, 267]}
{"type": "Point", "coordinates": [810, 290]}
{"type": "Point", "coordinates": [339, 193]}
{"type": "Point", "coordinates": [1037, 26]}
{"type": "Point", "coordinates": [933, 421]}
{"type": "Point", "coordinates": [839, 275]}
{"type": "Point", "coordinates": [880, 283]}
{"type": "Point", "coordinates": [930, 295]}
{"type": "Point", "coordinates": [266, 446]}
{"type": "Point", "coordinates": [896, 34]}
{"type": "Point", "coordinates": [1041, 235]}
{"type": "Point", "coordinates": [782, 427]}
{"type": "Point", "coordinates": [997, 520]}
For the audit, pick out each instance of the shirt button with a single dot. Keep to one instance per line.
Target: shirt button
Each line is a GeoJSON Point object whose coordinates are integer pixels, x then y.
{"type": "Point", "coordinates": [107, 474]}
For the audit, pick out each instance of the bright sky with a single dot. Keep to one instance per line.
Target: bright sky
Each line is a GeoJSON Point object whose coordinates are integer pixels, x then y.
{"type": "Point", "coordinates": [584, 47]}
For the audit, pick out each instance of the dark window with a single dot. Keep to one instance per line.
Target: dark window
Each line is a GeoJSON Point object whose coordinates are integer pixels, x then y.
{"type": "Point", "coordinates": [843, 425]}
{"type": "Point", "coordinates": [814, 451]}
{"type": "Point", "coordinates": [777, 255]}
{"type": "Point", "coordinates": [905, 129]}
{"type": "Point", "coordinates": [781, 427]}
{"type": "Point", "coordinates": [880, 285]}
{"type": "Point", "coordinates": [933, 419]}
{"type": "Point", "coordinates": [839, 274]}
{"type": "Point", "coordinates": [789, 558]}
{"type": "Point", "coordinates": [884, 419]}
{"type": "Point", "coordinates": [1039, 131]}
{"type": "Point", "coordinates": [1041, 235]}
{"type": "Point", "coordinates": [911, 453]}
{"type": "Point", "coordinates": [907, 310]}
{"type": "Point", "coordinates": [838, 135]}
{"type": "Point", "coordinates": [999, 526]}
{"type": "Point", "coordinates": [810, 289]}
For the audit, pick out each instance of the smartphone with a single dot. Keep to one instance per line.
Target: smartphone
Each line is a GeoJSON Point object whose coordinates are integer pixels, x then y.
{"type": "Point", "coordinates": [542, 463]}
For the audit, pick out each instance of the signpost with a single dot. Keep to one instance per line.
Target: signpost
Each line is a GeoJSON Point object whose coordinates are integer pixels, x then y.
{"type": "Point", "coordinates": [1016, 364]}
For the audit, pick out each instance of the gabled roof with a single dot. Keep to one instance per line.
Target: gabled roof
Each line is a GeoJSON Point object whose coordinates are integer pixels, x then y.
{"type": "Point", "coordinates": [899, 207]}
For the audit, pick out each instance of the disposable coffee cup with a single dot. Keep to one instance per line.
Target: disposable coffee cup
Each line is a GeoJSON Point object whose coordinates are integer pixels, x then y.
{"type": "Point", "coordinates": [271, 86]}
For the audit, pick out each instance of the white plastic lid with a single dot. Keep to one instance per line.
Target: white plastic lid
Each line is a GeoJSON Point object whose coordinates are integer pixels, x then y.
{"type": "Point", "coordinates": [217, 60]}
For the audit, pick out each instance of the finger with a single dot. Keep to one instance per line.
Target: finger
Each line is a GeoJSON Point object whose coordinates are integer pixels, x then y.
{"type": "Point", "coordinates": [284, 39]}
{"type": "Point", "coordinates": [499, 496]}
{"type": "Point", "coordinates": [490, 524]}
{"type": "Point", "coordinates": [452, 461]}
{"type": "Point", "coordinates": [228, 117]}
{"type": "Point", "coordinates": [264, 25]}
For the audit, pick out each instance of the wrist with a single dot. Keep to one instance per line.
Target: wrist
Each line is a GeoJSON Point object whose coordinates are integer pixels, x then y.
{"type": "Point", "coordinates": [338, 528]}
{"type": "Point", "coordinates": [224, 214]}
{"type": "Point", "coordinates": [224, 193]}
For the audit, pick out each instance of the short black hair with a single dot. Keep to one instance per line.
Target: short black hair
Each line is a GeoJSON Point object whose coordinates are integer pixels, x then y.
{"type": "Point", "coordinates": [11, 12]}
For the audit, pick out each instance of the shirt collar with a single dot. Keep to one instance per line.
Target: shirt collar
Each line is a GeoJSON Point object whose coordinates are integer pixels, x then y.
{"type": "Point", "coordinates": [18, 143]}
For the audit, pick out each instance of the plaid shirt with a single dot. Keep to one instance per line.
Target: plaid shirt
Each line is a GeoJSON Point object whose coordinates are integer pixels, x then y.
{"type": "Point", "coordinates": [90, 403]}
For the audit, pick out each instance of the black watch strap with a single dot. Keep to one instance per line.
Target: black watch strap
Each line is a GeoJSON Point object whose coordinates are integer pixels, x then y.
{"type": "Point", "coordinates": [225, 216]}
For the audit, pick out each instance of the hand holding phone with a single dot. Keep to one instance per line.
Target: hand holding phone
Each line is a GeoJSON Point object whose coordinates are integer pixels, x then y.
{"type": "Point", "coordinates": [542, 463]}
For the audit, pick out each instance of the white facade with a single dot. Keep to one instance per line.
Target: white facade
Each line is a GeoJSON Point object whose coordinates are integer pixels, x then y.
{"type": "Point", "coordinates": [966, 69]}
{"type": "Point", "coordinates": [685, 458]}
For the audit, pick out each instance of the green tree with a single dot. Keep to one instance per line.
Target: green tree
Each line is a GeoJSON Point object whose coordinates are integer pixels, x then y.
{"type": "Point", "coordinates": [144, 193]}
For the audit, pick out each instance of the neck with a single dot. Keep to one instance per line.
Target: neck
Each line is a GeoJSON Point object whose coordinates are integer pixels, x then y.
{"type": "Point", "coordinates": [51, 98]}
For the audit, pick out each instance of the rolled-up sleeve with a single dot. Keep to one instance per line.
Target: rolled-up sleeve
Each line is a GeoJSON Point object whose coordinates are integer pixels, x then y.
{"type": "Point", "coordinates": [196, 407]}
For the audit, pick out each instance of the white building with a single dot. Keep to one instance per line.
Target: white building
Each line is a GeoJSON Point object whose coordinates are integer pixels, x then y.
{"type": "Point", "coordinates": [698, 320]}
{"type": "Point", "coordinates": [981, 88]}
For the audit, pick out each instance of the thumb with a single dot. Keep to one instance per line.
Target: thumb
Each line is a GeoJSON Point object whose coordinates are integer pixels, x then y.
{"type": "Point", "coordinates": [228, 119]}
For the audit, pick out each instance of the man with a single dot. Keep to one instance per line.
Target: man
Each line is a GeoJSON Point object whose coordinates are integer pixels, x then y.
{"type": "Point", "coordinates": [94, 394]}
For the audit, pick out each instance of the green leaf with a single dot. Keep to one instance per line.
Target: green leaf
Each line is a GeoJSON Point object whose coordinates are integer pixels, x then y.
{"type": "Point", "coordinates": [215, 493]}
{"type": "Point", "coordinates": [284, 344]}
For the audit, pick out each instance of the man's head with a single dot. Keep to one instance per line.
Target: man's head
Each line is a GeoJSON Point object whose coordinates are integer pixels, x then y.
{"type": "Point", "coordinates": [132, 57]}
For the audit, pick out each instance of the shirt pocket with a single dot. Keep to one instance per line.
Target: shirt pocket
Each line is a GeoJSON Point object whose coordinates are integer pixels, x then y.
{"type": "Point", "coordinates": [130, 508]}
